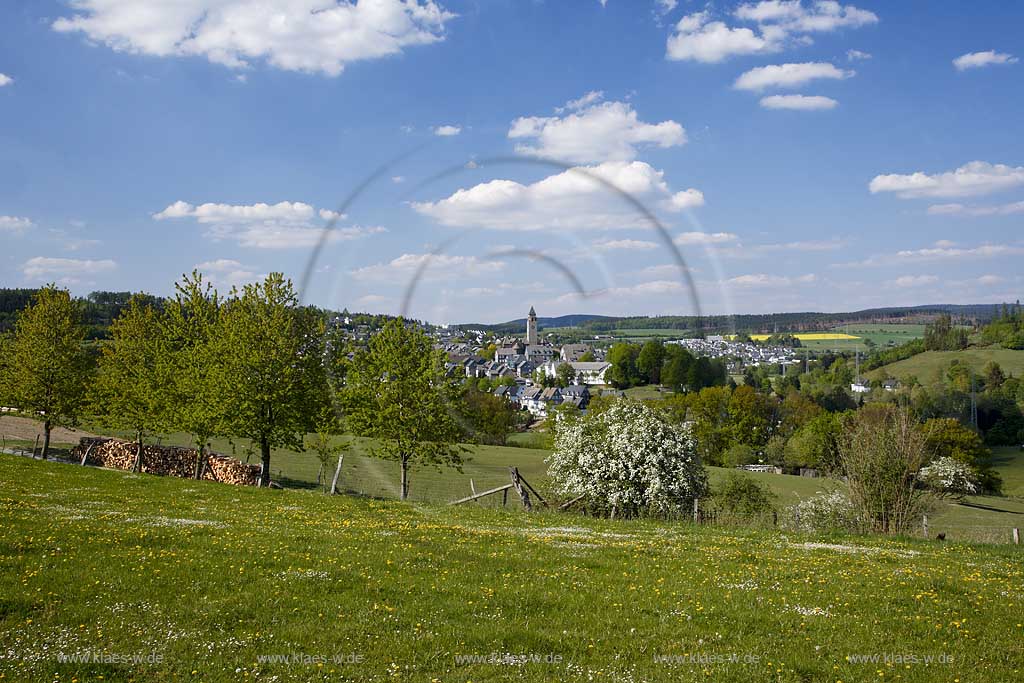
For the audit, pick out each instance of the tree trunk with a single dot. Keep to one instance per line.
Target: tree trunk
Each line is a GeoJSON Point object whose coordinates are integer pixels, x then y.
{"type": "Point", "coordinates": [405, 478]}
{"type": "Point", "coordinates": [47, 427]}
{"type": "Point", "coordinates": [137, 467]}
{"type": "Point", "coordinates": [265, 459]}
{"type": "Point", "coordinates": [199, 462]}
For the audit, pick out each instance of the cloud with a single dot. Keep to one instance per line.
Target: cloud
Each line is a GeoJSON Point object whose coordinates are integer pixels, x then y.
{"type": "Point", "coordinates": [798, 102]}
{"type": "Point", "coordinates": [688, 238]}
{"type": "Point", "coordinates": [765, 280]}
{"type": "Point", "coordinates": [779, 24]}
{"type": "Point", "coordinates": [685, 199]}
{"type": "Point", "coordinates": [572, 199]}
{"type": "Point", "coordinates": [696, 39]}
{"type": "Point", "coordinates": [608, 131]}
{"type": "Point", "coordinates": [988, 280]}
{"type": "Point", "coordinates": [15, 224]}
{"type": "Point", "coordinates": [641, 290]}
{"type": "Point", "coordinates": [857, 55]}
{"type": "Point", "coordinates": [788, 75]}
{"type": "Point", "coordinates": [583, 102]}
{"type": "Point", "coordinates": [793, 16]}
{"type": "Point", "coordinates": [438, 267]}
{"type": "Point", "coordinates": [913, 281]}
{"type": "Point", "coordinates": [972, 179]}
{"type": "Point", "coordinates": [229, 272]}
{"type": "Point", "coordinates": [963, 210]}
{"type": "Point", "coordinates": [5, 80]}
{"type": "Point", "coordinates": [65, 270]}
{"type": "Point", "coordinates": [266, 226]}
{"type": "Point", "coordinates": [624, 245]}
{"type": "Point", "coordinates": [940, 251]}
{"type": "Point", "coordinates": [665, 6]}
{"type": "Point", "coordinates": [447, 131]}
{"type": "Point", "coordinates": [974, 60]}
{"type": "Point", "coordinates": [295, 35]}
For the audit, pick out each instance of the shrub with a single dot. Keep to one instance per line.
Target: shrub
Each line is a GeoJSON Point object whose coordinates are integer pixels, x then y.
{"type": "Point", "coordinates": [628, 460]}
{"type": "Point", "coordinates": [742, 496]}
{"type": "Point", "coordinates": [947, 476]}
{"type": "Point", "coordinates": [825, 512]}
{"type": "Point", "coordinates": [881, 455]}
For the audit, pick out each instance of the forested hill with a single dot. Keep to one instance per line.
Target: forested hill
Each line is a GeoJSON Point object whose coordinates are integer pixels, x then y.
{"type": "Point", "coordinates": [767, 322]}
{"type": "Point", "coordinates": [99, 309]}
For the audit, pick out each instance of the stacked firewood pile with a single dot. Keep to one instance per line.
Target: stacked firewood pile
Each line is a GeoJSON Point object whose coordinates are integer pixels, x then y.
{"type": "Point", "coordinates": [171, 461]}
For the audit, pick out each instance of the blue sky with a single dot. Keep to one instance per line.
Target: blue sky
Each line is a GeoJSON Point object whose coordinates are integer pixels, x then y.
{"type": "Point", "coordinates": [801, 155]}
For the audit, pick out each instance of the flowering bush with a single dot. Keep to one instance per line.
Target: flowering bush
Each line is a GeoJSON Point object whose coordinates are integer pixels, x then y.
{"type": "Point", "coordinates": [628, 459]}
{"type": "Point", "coordinates": [947, 476]}
{"type": "Point", "coordinates": [825, 511]}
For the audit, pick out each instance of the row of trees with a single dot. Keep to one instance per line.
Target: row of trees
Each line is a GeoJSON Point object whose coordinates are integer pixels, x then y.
{"type": "Point", "coordinates": [251, 365]}
{"type": "Point", "coordinates": [656, 363]}
{"type": "Point", "coordinates": [742, 426]}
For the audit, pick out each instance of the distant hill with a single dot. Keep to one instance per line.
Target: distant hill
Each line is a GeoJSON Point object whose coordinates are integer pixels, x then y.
{"type": "Point", "coordinates": [806, 321]}
{"type": "Point", "coordinates": [519, 324]}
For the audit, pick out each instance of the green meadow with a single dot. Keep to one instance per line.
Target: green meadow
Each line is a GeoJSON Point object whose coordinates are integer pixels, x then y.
{"type": "Point", "coordinates": [109, 576]}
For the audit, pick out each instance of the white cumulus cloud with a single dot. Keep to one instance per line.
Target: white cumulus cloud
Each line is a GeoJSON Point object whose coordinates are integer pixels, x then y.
{"type": "Point", "coordinates": [624, 245]}
{"type": "Point", "coordinates": [970, 180]}
{"type": "Point", "coordinates": [697, 39]}
{"type": "Point", "coordinates": [229, 273]}
{"type": "Point", "coordinates": [447, 131]}
{"type": "Point", "coordinates": [65, 270]}
{"type": "Point", "coordinates": [798, 102]}
{"type": "Point", "coordinates": [974, 60]}
{"type": "Point", "coordinates": [687, 238]}
{"type": "Point", "coordinates": [436, 267]}
{"type": "Point", "coordinates": [5, 80]}
{"type": "Point", "coordinates": [266, 226]}
{"type": "Point", "coordinates": [574, 199]}
{"type": "Point", "coordinates": [789, 75]}
{"type": "Point", "coordinates": [779, 23]}
{"type": "Point", "coordinates": [316, 36]}
{"type": "Point", "coordinates": [15, 224]}
{"type": "Point", "coordinates": [914, 280]}
{"type": "Point", "coordinates": [965, 210]}
{"type": "Point", "coordinates": [593, 132]}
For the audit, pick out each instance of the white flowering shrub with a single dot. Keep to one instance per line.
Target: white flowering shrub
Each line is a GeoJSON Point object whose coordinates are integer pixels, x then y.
{"type": "Point", "coordinates": [947, 476]}
{"type": "Point", "coordinates": [628, 460]}
{"type": "Point", "coordinates": [825, 512]}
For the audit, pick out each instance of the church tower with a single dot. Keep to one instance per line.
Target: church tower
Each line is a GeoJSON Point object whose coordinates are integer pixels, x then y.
{"type": "Point", "coordinates": [531, 327]}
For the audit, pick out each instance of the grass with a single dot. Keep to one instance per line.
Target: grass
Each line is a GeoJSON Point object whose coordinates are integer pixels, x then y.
{"type": "Point", "coordinates": [979, 518]}
{"type": "Point", "coordinates": [1009, 461]}
{"type": "Point", "coordinates": [209, 581]}
{"type": "Point", "coordinates": [930, 366]}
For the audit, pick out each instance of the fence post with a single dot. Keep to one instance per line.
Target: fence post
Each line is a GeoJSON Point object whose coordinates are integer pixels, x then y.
{"type": "Point", "coordinates": [924, 523]}
{"type": "Point", "coordinates": [34, 447]}
{"type": "Point", "coordinates": [1016, 536]}
{"type": "Point", "coordinates": [696, 510]}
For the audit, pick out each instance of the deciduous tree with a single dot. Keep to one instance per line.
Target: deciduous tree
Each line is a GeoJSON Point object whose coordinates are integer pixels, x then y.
{"type": "Point", "coordinates": [270, 358]}
{"type": "Point", "coordinates": [47, 370]}
{"type": "Point", "coordinates": [396, 392]}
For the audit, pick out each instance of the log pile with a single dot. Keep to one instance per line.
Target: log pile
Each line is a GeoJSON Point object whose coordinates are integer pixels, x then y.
{"type": "Point", "coordinates": [171, 461]}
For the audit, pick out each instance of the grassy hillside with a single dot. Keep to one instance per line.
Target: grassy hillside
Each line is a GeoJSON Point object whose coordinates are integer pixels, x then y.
{"type": "Point", "coordinates": [930, 365]}
{"type": "Point", "coordinates": [205, 582]}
